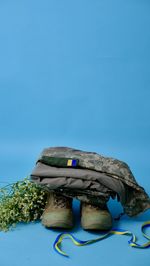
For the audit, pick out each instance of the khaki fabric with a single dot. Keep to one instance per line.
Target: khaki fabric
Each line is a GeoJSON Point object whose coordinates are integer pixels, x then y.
{"type": "Point", "coordinates": [95, 179]}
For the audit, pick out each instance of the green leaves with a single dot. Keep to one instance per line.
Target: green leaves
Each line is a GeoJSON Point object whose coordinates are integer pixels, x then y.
{"type": "Point", "coordinates": [23, 201]}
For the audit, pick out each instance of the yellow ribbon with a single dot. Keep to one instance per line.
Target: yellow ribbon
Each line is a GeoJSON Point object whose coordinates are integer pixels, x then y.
{"type": "Point", "coordinates": [78, 242]}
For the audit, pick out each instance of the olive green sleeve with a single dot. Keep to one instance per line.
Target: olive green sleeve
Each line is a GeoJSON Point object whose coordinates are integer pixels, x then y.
{"type": "Point", "coordinates": [59, 161]}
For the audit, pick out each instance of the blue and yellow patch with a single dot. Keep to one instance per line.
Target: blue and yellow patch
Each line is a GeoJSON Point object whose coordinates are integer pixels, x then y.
{"type": "Point", "coordinates": [72, 162]}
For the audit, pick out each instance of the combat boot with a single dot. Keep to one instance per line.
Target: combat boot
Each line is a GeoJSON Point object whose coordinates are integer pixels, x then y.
{"type": "Point", "coordinates": [94, 217]}
{"type": "Point", "coordinates": [58, 212]}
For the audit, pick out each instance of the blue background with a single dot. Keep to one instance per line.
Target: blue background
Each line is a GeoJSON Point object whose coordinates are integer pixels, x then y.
{"type": "Point", "coordinates": [74, 73]}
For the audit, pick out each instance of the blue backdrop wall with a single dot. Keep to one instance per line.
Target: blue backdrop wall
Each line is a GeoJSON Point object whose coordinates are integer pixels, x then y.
{"type": "Point", "coordinates": [74, 73]}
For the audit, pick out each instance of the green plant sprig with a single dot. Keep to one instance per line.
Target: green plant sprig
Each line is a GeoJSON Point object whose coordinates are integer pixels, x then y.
{"type": "Point", "coordinates": [23, 201]}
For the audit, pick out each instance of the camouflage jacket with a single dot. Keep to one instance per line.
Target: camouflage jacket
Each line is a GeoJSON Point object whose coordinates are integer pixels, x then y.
{"type": "Point", "coordinates": [89, 177]}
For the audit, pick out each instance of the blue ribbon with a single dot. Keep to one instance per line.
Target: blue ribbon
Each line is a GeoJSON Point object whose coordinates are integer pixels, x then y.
{"type": "Point", "coordinates": [114, 231]}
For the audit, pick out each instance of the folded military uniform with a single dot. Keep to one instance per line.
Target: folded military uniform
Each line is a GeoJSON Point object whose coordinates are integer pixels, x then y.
{"type": "Point", "coordinates": [89, 177]}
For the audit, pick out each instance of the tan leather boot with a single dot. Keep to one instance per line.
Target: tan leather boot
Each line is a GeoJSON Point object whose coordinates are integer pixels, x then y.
{"type": "Point", "coordinates": [94, 218]}
{"type": "Point", "coordinates": [58, 212]}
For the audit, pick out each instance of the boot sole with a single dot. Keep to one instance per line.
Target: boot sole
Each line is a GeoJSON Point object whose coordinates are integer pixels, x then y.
{"type": "Point", "coordinates": [57, 225]}
{"type": "Point", "coordinates": [96, 227]}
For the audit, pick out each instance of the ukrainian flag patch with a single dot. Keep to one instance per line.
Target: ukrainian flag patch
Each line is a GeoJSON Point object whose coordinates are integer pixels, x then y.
{"type": "Point", "coordinates": [72, 162]}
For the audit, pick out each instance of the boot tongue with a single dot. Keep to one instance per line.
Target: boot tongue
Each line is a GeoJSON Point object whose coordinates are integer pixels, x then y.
{"type": "Point", "coordinates": [93, 207]}
{"type": "Point", "coordinates": [61, 201]}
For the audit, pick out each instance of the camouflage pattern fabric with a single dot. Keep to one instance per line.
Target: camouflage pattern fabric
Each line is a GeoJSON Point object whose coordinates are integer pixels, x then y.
{"type": "Point", "coordinates": [137, 200]}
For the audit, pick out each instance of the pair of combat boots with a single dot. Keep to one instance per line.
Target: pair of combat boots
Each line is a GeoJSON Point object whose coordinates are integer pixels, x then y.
{"type": "Point", "coordinates": [58, 214]}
